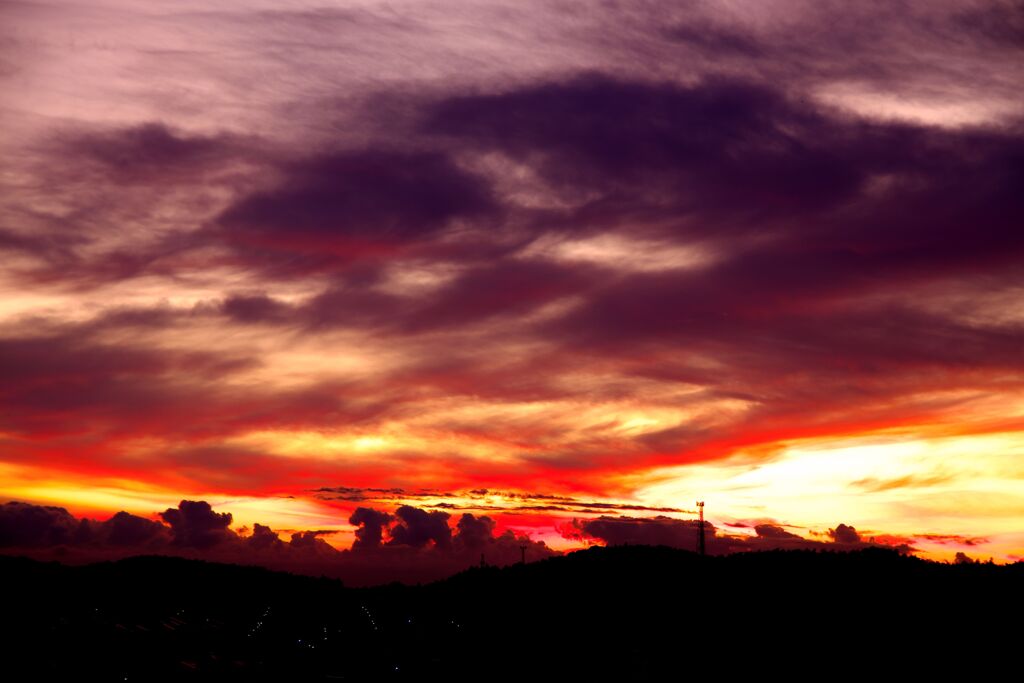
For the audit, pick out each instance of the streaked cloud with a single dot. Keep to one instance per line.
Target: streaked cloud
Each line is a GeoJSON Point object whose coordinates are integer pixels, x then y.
{"type": "Point", "coordinates": [599, 260]}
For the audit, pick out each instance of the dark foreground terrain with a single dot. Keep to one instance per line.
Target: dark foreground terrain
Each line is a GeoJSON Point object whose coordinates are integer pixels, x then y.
{"type": "Point", "coordinates": [626, 613]}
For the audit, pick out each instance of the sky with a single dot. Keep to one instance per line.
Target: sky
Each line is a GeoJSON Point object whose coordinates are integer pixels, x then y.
{"type": "Point", "coordinates": [559, 269]}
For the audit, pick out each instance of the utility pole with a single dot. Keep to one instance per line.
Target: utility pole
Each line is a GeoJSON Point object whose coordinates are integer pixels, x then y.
{"type": "Point", "coordinates": [522, 554]}
{"type": "Point", "coordinates": [700, 527]}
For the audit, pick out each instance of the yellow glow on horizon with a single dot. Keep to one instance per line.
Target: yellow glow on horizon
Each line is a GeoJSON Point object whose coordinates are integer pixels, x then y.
{"type": "Point", "coordinates": [100, 498]}
{"type": "Point", "coordinates": [967, 485]}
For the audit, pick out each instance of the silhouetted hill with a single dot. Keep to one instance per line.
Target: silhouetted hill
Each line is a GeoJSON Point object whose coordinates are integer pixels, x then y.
{"type": "Point", "coordinates": [622, 613]}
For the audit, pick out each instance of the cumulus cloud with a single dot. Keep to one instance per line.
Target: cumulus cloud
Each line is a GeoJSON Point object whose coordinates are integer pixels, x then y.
{"type": "Point", "coordinates": [194, 524]}
{"type": "Point", "coordinates": [128, 530]}
{"type": "Point", "coordinates": [26, 525]}
{"type": "Point", "coordinates": [311, 545]}
{"type": "Point", "coordinates": [422, 544]}
{"type": "Point", "coordinates": [844, 534]}
{"type": "Point", "coordinates": [676, 533]}
{"type": "Point", "coordinates": [264, 538]}
{"type": "Point", "coordinates": [371, 524]}
{"type": "Point", "coordinates": [410, 545]}
{"type": "Point", "coordinates": [418, 527]}
{"type": "Point", "coordinates": [684, 534]}
{"type": "Point", "coordinates": [193, 529]}
{"type": "Point", "coordinates": [474, 532]}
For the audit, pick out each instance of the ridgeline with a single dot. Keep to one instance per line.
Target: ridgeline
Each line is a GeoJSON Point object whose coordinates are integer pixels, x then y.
{"type": "Point", "coordinates": [620, 613]}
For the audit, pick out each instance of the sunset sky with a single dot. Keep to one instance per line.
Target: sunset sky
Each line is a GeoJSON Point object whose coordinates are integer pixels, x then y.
{"type": "Point", "coordinates": [564, 264]}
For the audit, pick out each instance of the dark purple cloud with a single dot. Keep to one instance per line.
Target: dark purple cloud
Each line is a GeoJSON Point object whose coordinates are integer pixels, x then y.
{"type": "Point", "coordinates": [669, 531]}
{"type": "Point", "coordinates": [128, 530]}
{"type": "Point", "coordinates": [728, 148]}
{"type": "Point", "coordinates": [353, 205]}
{"type": "Point", "coordinates": [138, 153]}
{"type": "Point", "coordinates": [867, 198]}
{"type": "Point", "coordinates": [475, 532]}
{"type": "Point", "coordinates": [844, 534]}
{"type": "Point", "coordinates": [772, 531]}
{"type": "Point", "coordinates": [371, 525]}
{"type": "Point", "coordinates": [684, 534]}
{"type": "Point", "coordinates": [194, 524]}
{"type": "Point", "coordinates": [417, 528]}
{"type": "Point", "coordinates": [255, 308]}
{"type": "Point", "coordinates": [716, 41]}
{"type": "Point", "coordinates": [311, 545]}
{"type": "Point", "coordinates": [26, 525]}
{"type": "Point", "coordinates": [264, 538]}
{"type": "Point", "coordinates": [1002, 23]}
{"type": "Point", "coordinates": [193, 528]}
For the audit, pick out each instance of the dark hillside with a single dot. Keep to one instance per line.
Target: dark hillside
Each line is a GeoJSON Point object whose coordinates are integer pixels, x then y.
{"type": "Point", "coordinates": [623, 613]}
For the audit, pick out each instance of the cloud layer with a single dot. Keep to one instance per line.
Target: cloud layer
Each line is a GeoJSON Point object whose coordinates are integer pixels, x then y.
{"type": "Point", "coordinates": [412, 544]}
{"type": "Point", "coordinates": [518, 247]}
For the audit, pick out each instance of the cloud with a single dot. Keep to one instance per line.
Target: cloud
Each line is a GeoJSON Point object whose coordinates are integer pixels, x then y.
{"type": "Point", "coordinates": [418, 527]}
{"type": "Point", "coordinates": [773, 532]}
{"type": "Point", "coordinates": [497, 289]}
{"type": "Point", "coordinates": [740, 228]}
{"type": "Point", "coordinates": [192, 529]}
{"type": "Point", "coordinates": [264, 539]}
{"type": "Point", "coordinates": [474, 532]}
{"type": "Point", "coordinates": [661, 146]}
{"type": "Point", "coordinates": [255, 308]}
{"type": "Point", "coordinates": [1001, 23]}
{"type": "Point", "coordinates": [422, 544]}
{"type": "Point", "coordinates": [908, 481]}
{"type": "Point", "coordinates": [161, 180]}
{"type": "Point", "coordinates": [410, 545]}
{"type": "Point", "coordinates": [800, 272]}
{"type": "Point", "coordinates": [128, 530]}
{"type": "Point", "coordinates": [311, 545]}
{"type": "Point", "coordinates": [353, 205]}
{"type": "Point", "coordinates": [194, 524]}
{"type": "Point", "coordinates": [138, 153]}
{"type": "Point", "coordinates": [26, 525]}
{"type": "Point", "coordinates": [839, 197]}
{"type": "Point", "coordinates": [676, 533]}
{"type": "Point", "coordinates": [51, 376]}
{"type": "Point", "coordinates": [952, 539]}
{"type": "Point", "coordinates": [844, 534]}
{"type": "Point", "coordinates": [371, 525]}
{"type": "Point", "coordinates": [684, 533]}
{"type": "Point", "coordinates": [496, 500]}
{"type": "Point", "coordinates": [715, 41]}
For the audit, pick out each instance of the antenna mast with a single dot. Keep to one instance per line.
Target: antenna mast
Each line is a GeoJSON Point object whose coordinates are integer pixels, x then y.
{"type": "Point", "coordinates": [700, 527]}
